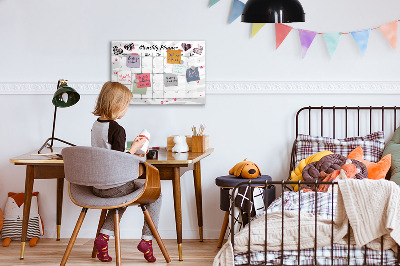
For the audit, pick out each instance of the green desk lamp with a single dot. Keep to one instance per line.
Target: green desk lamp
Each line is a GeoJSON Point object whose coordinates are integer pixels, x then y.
{"type": "Point", "coordinates": [65, 96]}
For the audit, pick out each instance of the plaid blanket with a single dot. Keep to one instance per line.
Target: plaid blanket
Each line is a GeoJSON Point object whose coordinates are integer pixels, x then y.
{"type": "Point", "coordinates": [323, 205]}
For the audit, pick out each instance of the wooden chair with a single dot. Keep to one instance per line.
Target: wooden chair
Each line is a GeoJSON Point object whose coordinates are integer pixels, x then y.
{"type": "Point", "coordinates": [85, 167]}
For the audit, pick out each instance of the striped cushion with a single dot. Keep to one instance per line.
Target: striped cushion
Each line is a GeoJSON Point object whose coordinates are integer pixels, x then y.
{"type": "Point", "coordinates": [13, 228]}
{"type": "Point", "coordinates": [372, 145]}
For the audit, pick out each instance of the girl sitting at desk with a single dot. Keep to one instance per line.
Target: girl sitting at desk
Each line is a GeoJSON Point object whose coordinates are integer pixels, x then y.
{"type": "Point", "coordinates": [112, 104]}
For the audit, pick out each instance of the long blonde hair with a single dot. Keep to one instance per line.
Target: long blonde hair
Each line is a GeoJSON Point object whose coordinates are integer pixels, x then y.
{"type": "Point", "coordinates": [112, 99]}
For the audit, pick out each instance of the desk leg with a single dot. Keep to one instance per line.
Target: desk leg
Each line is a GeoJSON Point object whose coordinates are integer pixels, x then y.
{"type": "Point", "coordinates": [27, 206]}
{"type": "Point", "coordinates": [176, 182]}
{"type": "Point", "coordinates": [199, 204]}
{"type": "Point", "coordinates": [60, 190]}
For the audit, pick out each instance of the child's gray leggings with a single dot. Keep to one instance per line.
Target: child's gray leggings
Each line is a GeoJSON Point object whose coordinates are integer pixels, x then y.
{"type": "Point", "coordinates": [154, 208]}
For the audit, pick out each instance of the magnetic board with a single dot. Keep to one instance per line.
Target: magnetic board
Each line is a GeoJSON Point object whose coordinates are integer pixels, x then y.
{"type": "Point", "coordinates": [160, 72]}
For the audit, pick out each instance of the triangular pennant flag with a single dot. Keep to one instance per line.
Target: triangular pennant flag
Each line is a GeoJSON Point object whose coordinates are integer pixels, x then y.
{"type": "Point", "coordinates": [281, 31]}
{"type": "Point", "coordinates": [306, 39]}
{"type": "Point", "coordinates": [237, 9]}
{"type": "Point", "coordinates": [256, 28]}
{"type": "Point", "coordinates": [361, 37]}
{"type": "Point", "coordinates": [332, 41]}
{"type": "Point", "coordinates": [213, 2]}
{"type": "Point", "coordinates": [390, 32]}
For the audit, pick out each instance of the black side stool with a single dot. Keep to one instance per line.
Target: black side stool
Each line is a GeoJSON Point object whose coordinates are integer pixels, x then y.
{"type": "Point", "coordinates": [226, 183]}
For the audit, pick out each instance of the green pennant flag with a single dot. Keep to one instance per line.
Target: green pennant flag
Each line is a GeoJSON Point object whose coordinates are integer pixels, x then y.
{"type": "Point", "coordinates": [213, 2]}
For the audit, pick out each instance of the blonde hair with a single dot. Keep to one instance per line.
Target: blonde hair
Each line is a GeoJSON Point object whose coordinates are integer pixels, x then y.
{"type": "Point", "coordinates": [112, 99]}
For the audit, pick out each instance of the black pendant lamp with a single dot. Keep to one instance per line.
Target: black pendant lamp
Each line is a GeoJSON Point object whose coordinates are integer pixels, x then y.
{"type": "Point", "coordinates": [273, 11]}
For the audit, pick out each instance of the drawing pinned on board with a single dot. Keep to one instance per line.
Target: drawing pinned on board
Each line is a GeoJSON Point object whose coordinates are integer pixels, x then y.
{"type": "Point", "coordinates": [125, 77]}
{"type": "Point", "coordinates": [179, 69]}
{"type": "Point", "coordinates": [133, 60]}
{"type": "Point", "coordinates": [198, 50]}
{"type": "Point", "coordinates": [192, 75]}
{"type": "Point", "coordinates": [117, 50]}
{"type": "Point", "coordinates": [170, 80]}
{"type": "Point", "coordinates": [144, 80]}
{"type": "Point", "coordinates": [174, 56]}
{"type": "Point", "coordinates": [186, 46]}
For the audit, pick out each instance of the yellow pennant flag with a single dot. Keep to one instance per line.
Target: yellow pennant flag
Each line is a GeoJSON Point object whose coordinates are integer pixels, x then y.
{"type": "Point", "coordinates": [256, 28]}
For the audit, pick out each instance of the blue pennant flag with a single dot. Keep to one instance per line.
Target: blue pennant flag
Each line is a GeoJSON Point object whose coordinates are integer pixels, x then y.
{"type": "Point", "coordinates": [237, 9]}
{"type": "Point", "coordinates": [361, 37]}
{"type": "Point", "coordinates": [213, 2]}
{"type": "Point", "coordinates": [332, 41]}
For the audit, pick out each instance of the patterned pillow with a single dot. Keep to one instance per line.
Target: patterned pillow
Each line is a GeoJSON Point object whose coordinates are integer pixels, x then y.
{"type": "Point", "coordinates": [372, 144]}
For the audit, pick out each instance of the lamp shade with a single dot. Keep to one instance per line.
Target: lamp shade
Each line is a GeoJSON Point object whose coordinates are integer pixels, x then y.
{"type": "Point", "coordinates": [273, 11]}
{"type": "Point", "coordinates": [65, 96]}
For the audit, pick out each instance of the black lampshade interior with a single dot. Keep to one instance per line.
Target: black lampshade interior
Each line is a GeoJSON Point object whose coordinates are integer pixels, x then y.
{"type": "Point", "coordinates": [65, 96]}
{"type": "Point", "coordinates": [273, 11]}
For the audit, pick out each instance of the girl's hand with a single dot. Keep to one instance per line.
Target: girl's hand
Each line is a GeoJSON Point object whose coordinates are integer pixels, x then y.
{"type": "Point", "coordinates": [143, 155]}
{"type": "Point", "coordinates": [137, 144]}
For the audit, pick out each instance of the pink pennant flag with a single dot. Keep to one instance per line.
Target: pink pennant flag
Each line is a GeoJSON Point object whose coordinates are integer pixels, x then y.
{"type": "Point", "coordinates": [306, 39]}
{"type": "Point", "coordinates": [281, 31]}
{"type": "Point", "coordinates": [389, 30]}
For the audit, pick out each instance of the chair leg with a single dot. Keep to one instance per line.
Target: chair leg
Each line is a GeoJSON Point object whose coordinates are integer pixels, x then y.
{"type": "Point", "coordinates": [223, 229]}
{"type": "Point", "coordinates": [101, 222]}
{"type": "Point", "coordinates": [73, 237]}
{"type": "Point", "coordinates": [117, 239]}
{"type": "Point", "coordinates": [154, 230]}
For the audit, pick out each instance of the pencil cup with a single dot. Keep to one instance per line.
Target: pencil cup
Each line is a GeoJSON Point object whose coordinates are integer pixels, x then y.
{"type": "Point", "coordinates": [200, 143]}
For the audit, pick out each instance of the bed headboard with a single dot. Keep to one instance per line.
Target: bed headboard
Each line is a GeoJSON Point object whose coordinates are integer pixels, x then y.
{"type": "Point", "coordinates": [344, 121]}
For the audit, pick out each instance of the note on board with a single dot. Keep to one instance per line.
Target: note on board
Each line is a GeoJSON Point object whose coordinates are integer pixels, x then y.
{"type": "Point", "coordinates": [133, 60]}
{"type": "Point", "coordinates": [174, 56]}
{"type": "Point", "coordinates": [192, 74]}
{"type": "Point", "coordinates": [144, 80]}
{"type": "Point", "coordinates": [125, 77]}
{"type": "Point", "coordinates": [170, 80]}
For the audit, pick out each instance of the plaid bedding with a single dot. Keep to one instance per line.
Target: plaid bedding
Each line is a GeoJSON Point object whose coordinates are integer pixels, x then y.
{"type": "Point", "coordinates": [372, 145]}
{"type": "Point", "coordinates": [323, 207]}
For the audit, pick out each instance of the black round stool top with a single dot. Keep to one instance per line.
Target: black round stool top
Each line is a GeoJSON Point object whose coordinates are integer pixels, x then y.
{"type": "Point", "coordinates": [230, 181]}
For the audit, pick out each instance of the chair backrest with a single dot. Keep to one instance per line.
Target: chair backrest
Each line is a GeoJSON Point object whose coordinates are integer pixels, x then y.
{"type": "Point", "coordinates": [91, 166]}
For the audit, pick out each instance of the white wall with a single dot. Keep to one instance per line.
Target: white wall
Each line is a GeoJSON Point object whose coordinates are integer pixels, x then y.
{"type": "Point", "coordinates": [42, 41]}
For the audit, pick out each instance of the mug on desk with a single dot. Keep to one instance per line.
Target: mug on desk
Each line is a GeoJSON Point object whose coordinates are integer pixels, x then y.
{"type": "Point", "coordinates": [152, 155]}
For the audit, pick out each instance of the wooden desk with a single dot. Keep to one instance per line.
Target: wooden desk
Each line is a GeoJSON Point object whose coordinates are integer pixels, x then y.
{"type": "Point", "coordinates": [168, 164]}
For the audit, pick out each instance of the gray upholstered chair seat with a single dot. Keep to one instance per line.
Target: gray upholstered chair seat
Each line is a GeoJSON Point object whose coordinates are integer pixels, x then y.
{"type": "Point", "coordinates": [83, 195]}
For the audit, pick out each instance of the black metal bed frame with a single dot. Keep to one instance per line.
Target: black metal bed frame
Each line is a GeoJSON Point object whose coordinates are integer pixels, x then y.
{"type": "Point", "coordinates": [283, 184]}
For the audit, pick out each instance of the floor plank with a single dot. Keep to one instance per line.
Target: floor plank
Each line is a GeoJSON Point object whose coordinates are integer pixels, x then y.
{"type": "Point", "coordinates": [49, 252]}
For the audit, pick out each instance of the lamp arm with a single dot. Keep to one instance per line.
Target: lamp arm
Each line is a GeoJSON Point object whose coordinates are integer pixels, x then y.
{"type": "Point", "coordinates": [54, 126]}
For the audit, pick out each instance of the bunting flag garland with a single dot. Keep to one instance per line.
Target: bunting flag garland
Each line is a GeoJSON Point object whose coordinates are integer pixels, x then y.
{"type": "Point", "coordinates": [256, 28]}
{"type": "Point", "coordinates": [213, 2]}
{"type": "Point", "coordinates": [237, 9]}
{"type": "Point", "coordinates": [332, 41]}
{"type": "Point", "coordinates": [306, 39]}
{"type": "Point", "coordinates": [389, 30]}
{"type": "Point", "coordinates": [281, 31]}
{"type": "Point", "coordinates": [361, 37]}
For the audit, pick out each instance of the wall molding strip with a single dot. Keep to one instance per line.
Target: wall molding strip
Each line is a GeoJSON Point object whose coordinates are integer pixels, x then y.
{"type": "Point", "coordinates": [232, 87]}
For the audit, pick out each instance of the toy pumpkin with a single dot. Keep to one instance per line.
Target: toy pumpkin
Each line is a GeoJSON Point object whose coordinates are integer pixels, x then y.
{"type": "Point", "coordinates": [245, 169]}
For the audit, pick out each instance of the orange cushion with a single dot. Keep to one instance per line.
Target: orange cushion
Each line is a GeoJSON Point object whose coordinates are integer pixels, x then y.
{"type": "Point", "coordinates": [375, 170]}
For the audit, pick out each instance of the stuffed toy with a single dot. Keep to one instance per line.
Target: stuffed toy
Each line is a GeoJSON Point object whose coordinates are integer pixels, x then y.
{"type": "Point", "coordinates": [296, 174]}
{"type": "Point", "coordinates": [13, 215]}
{"type": "Point", "coordinates": [375, 170]}
{"type": "Point", "coordinates": [245, 169]}
{"type": "Point", "coordinates": [180, 144]}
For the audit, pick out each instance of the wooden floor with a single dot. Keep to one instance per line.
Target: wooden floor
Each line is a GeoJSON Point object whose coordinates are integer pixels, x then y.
{"type": "Point", "coordinates": [50, 252]}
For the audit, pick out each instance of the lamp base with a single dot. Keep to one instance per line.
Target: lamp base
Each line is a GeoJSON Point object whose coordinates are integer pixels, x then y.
{"type": "Point", "coordinates": [50, 146]}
